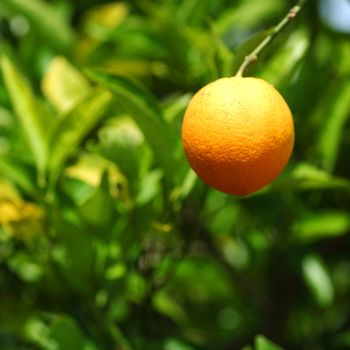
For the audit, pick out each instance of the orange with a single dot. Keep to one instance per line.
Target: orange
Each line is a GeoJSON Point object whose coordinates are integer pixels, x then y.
{"type": "Point", "coordinates": [238, 134]}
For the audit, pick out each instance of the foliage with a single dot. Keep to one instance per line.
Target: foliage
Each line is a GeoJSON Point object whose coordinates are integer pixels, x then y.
{"type": "Point", "coordinates": [107, 238]}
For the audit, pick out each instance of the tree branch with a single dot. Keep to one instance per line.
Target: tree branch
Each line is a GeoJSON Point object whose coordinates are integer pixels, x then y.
{"type": "Point", "coordinates": [253, 56]}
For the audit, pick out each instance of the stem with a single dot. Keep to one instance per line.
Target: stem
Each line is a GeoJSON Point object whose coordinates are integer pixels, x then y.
{"type": "Point", "coordinates": [253, 56]}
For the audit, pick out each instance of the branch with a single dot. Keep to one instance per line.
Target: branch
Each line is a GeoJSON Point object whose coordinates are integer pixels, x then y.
{"type": "Point", "coordinates": [253, 56]}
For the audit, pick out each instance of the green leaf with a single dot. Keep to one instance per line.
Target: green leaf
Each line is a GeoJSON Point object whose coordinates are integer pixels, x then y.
{"type": "Point", "coordinates": [63, 84]}
{"type": "Point", "coordinates": [191, 11]}
{"type": "Point", "coordinates": [318, 280]}
{"type": "Point", "coordinates": [188, 183]}
{"type": "Point", "coordinates": [36, 331]}
{"type": "Point", "coordinates": [262, 343]}
{"type": "Point", "coordinates": [308, 177]}
{"type": "Point", "coordinates": [122, 142]}
{"type": "Point", "coordinates": [149, 186]}
{"type": "Point", "coordinates": [25, 268]}
{"type": "Point", "coordinates": [320, 225]}
{"type": "Point", "coordinates": [144, 109]}
{"type": "Point", "coordinates": [46, 20]}
{"type": "Point", "coordinates": [99, 207]}
{"type": "Point", "coordinates": [168, 306]}
{"type": "Point", "coordinates": [19, 173]}
{"type": "Point", "coordinates": [176, 107]}
{"type": "Point", "coordinates": [65, 334]}
{"type": "Point", "coordinates": [74, 127]}
{"type": "Point", "coordinates": [29, 113]}
{"type": "Point", "coordinates": [75, 254]}
{"type": "Point", "coordinates": [284, 59]}
{"type": "Point", "coordinates": [218, 58]}
{"type": "Point", "coordinates": [176, 344]}
{"type": "Point", "coordinates": [236, 16]}
{"type": "Point", "coordinates": [332, 132]}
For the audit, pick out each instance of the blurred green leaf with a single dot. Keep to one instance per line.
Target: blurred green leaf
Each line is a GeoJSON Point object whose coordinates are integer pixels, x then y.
{"type": "Point", "coordinates": [75, 254]}
{"type": "Point", "coordinates": [192, 11]}
{"type": "Point", "coordinates": [280, 65]}
{"type": "Point", "coordinates": [236, 16]}
{"type": "Point", "coordinates": [176, 107]}
{"type": "Point", "coordinates": [216, 56]}
{"type": "Point", "coordinates": [102, 17]}
{"type": "Point", "coordinates": [98, 208]}
{"type": "Point", "coordinates": [115, 271]}
{"type": "Point", "coordinates": [305, 176]}
{"type": "Point", "coordinates": [121, 141]}
{"type": "Point", "coordinates": [71, 130]}
{"type": "Point", "coordinates": [46, 20]}
{"type": "Point", "coordinates": [318, 280]}
{"type": "Point", "coordinates": [63, 84]}
{"type": "Point", "coordinates": [331, 138]}
{"type": "Point", "coordinates": [166, 305]}
{"type": "Point", "coordinates": [65, 334]}
{"type": "Point", "coordinates": [29, 113]}
{"type": "Point", "coordinates": [262, 343]}
{"type": "Point", "coordinates": [188, 183]}
{"type": "Point", "coordinates": [149, 186]}
{"type": "Point", "coordinates": [144, 109]}
{"type": "Point", "coordinates": [176, 344]}
{"type": "Point", "coordinates": [26, 269]}
{"type": "Point", "coordinates": [36, 331]}
{"type": "Point", "coordinates": [18, 172]}
{"type": "Point", "coordinates": [320, 225]}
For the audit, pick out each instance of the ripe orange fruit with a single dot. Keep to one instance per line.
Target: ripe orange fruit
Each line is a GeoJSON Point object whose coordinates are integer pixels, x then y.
{"type": "Point", "coordinates": [238, 134]}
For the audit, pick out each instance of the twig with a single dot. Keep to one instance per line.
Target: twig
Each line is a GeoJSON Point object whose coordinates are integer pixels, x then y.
{"type": "Point", "coordinates": [253, 56]}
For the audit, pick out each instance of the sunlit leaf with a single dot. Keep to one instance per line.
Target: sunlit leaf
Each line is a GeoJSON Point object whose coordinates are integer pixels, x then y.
{"type": "Point", "coordinates": [25, 268]}
{"type": "Point", "coordinates": [282, 63]}
{"type": "Point", "coordinates": [149, 187]}
{"type": "Point", "coordinates": [99, 19]}
{"type": "Point", "coordinates": [318, 280]}
{"type": "Point", "coordinates": [176, 107]}
{"type": "Point", "coordinates": [63, 84]}
{"type": "Point", "coordinates": [74, 127]}
{"type": "Point", "coordinates": [176, 344]}
{"type": "Point", "coordinates": [166, 305]}
{"type": "Point", "coordinates": [24, 220]}
{"type": "Point", "coordinates": [320, 225]}
{"type": "Point", "coordinates": [305, 176]}
{"type": "Point", "coordinates": [145, 111]}
{"type": "Point", "coordinates": [262, 343]}
{"type": "Point", "coordinates": [29, 113]}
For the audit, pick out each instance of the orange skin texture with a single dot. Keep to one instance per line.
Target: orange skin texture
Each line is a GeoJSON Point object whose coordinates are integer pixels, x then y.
{"type": "Point", "coordinates": [238, 134]}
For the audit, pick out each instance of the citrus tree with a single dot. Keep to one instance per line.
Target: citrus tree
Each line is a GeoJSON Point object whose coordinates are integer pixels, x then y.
{"type": "Point", "coordinates": [108, 239]}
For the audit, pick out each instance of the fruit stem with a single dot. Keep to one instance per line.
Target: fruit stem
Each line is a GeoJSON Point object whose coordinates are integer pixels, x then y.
{"type": "Point", "coordinates": [253, 56]}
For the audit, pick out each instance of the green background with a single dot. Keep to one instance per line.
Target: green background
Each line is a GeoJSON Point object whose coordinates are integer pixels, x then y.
{"type": "Point", "coordinates": [107, 238]}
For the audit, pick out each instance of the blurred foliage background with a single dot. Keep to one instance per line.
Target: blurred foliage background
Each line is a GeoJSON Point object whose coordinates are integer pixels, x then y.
{"type": "Point", "coordinates": [107, 238]}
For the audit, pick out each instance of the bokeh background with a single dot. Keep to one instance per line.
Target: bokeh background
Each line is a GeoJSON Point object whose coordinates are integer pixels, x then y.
{"type": "Point", "coordinates": [107, 238]}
